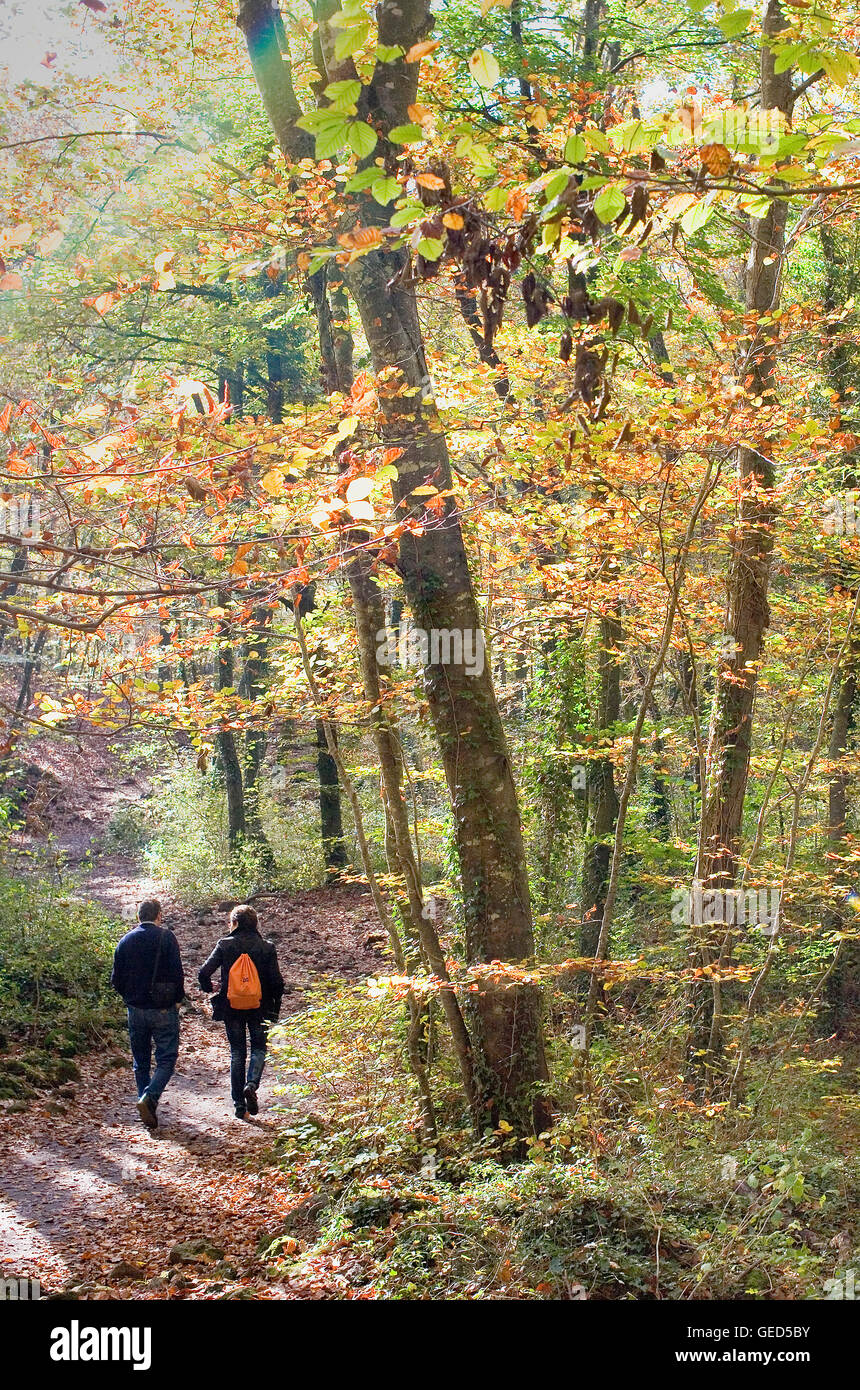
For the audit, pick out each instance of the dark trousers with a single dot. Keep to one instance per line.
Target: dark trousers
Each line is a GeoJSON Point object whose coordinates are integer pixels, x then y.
{"type": "Point", "coordinates": [161, 1027]}
{"type": "Point", "coordinates": [257, 1029]}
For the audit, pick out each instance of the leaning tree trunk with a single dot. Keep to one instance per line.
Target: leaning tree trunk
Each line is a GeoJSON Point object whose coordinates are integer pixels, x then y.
{"type": "Point", "coordinates": [498, 926]}
{"type": "Point", "coordinates": [748, 614]}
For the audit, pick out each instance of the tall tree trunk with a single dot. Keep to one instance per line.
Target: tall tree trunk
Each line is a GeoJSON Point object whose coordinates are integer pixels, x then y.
{"type": "Point", "coordinates": [601, 797]}
{"type": "Point", "coordinates": [498, 925]}
{"type": "Point", "coordinates": [331, 820]}
{"type": "Point", "coordinates": [225, 743]}
{"type": "Point", "coordinates": [748, 617]}
{"type": "Point", "coordinates": [843, 985]}
{"type": "Point", "coordinates": [254, 676]}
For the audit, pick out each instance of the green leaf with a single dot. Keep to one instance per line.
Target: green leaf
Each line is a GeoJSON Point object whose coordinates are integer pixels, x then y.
{"type": "Point", "coordinates": [735, 23]}
{"type": "Point", "coordinates": [610, 203]}
{"type": "Point", "coordinates": [594, 181]}
{"type": "Point", "coordinates": [697, 216]}
{"type": "Point", "coordinates": [482, 158]}
{"type": "Point", "coordinates": [343, 95]}
{"type": "Point", "coordinates": [351, 40]}
{"type": "Point", "coordinates": [323, 119]}
{"type": "Point", "coordinates": [319, 260]}
{"type": "Point", "coordinates": [362, 138]}
{"type": "Point", "coordinates": [332, 139]}
{"type": "Point", "coordinates": [388, 52]}
{"type": "Point", "coordinates": [575, 150]}
{"type": "Point", "coordinates": [385, 191]}
{"type": "Point", "coordinates": [365, 178]}
{"type": "Point", "coordinates": [484, 68]}
{"type": "Point", "coordinates": [431, 248]}
{"type": "Point", "coordinates": [408, 214]}
{"type": "Point", "coordinates": [758, 206]}
{"type": "Point", "coordinates": [406, 134]}
{"type": "Point", "coordinates": [557, 184]}
{"type": "Point", "coordinates": [495, 198]}
{"type": "Point", "coordinates": [596, 139]}
{"type": "Point", "coordinates": [386, 474]}
{"type": "Point", "coordinates": [786, 53]}
{"type": "Point", "coordinates": [840, 67]}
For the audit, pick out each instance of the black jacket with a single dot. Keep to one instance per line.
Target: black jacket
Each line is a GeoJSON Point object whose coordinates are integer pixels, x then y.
{"type": "Point", "coordinates": [134, 962]}
{"type": "Point", "coordinates": [265, 957]}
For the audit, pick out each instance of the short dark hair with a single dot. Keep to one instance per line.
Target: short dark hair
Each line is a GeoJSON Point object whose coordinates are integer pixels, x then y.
{"type": "Point", "coordinates": [244, 916]}
{"type": "Point", "coordinates": [148, 910]}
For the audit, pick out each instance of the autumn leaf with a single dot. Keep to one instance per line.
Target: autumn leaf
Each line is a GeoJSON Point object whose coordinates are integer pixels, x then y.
{"type": "Point", "coordinates": [716, 159]}
{"type": "Point", "coordinates": [431, 181]}
{"type": "Point", "coordinates": [195, 489]}
{"type": "Point", "coordinates": [361, 238]}
{"type": "Point", "coordinates": [484, 68]}
{"type": "Point", "coordinates": [421, 50]}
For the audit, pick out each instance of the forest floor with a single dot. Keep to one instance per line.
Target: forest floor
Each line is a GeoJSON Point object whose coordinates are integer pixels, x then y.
{"type": "Point", "coordinates": [91, 1202]}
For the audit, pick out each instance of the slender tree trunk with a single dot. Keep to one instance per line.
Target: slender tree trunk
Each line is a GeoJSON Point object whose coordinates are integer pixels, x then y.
{"type": "Point", "coordinates": [225, 743]}
{"type": "Point", "coordinates": [255, 741]}
{"type": "Point", "coordinates": [331, 821]}
{"type": "Point", "coordinates": [438, 585]}
{"type": "Point", "coordinates": [748, 614]}
{"type": "Point", "coordinates": [602, 799]}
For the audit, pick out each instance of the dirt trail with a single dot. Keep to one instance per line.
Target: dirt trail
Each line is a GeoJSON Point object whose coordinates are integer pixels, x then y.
{"type": "Point", "coordinates": [83, 1185]}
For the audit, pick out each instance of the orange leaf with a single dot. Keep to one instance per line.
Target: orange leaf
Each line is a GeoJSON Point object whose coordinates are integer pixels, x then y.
{"type": "Point", "coordinates": [716, 159]}
{"type": "Point", "coordinates": [361, 237]}
{"type": "Point", "coordinates": [421, 50]}
{"type": "Point", "coordinates": [430, 181]}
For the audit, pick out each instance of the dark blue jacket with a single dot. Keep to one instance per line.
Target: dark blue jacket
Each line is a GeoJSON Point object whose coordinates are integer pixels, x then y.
{"type": "Point", "coordinates": [134, 962]}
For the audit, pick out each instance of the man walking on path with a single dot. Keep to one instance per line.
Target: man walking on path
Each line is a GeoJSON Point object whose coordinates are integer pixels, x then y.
{"type": "Point", "coordinates": [249, 998]}
{"type": "Point", "coordinates": [147, 972]}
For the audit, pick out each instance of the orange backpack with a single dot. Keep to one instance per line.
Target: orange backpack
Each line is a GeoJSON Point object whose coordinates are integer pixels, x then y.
{"type": "Point", "coordinates": [243, 985]}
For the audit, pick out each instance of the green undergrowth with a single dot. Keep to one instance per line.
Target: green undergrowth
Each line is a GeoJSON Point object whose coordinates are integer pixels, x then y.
{"type": "Point", "coordinates": [638, 1192]}
{"type": "Point", "coordinates": [55, 998]}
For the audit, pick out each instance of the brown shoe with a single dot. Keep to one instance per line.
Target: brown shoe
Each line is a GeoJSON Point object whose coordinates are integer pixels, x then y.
{"type": "Point", "coordinates": [146, 1113]}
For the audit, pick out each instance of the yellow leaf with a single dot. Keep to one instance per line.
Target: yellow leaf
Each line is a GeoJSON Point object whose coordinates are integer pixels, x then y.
{"type": "Point", "coordinates": [273, 483]}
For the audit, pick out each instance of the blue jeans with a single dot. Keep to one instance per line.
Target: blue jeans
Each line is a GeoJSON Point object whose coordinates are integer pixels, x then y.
{"type": "Point", "coordinates": [235, 1027]}
{"type": "Point", "coordinates": [161, 1027]}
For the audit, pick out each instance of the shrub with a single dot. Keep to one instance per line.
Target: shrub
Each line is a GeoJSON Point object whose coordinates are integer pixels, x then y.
{"type": "Point", "coordinates": [55, 996]}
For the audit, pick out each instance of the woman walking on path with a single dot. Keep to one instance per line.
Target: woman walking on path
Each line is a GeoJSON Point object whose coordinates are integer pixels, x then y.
{"type": "Point", "coordinates": [249, 999]}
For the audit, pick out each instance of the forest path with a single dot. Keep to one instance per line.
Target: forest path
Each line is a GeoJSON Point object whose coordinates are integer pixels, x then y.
{"type": "Point", "coordinates": [85, 1186]}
